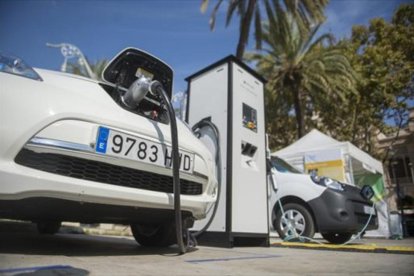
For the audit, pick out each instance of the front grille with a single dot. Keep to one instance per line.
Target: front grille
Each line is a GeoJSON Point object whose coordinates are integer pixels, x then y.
{"type": "Point", "coordinates": [103, 172]}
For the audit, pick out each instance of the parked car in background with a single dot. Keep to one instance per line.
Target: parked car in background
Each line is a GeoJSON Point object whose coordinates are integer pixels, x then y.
{"type": "Point", "coordinates": [316, 204]}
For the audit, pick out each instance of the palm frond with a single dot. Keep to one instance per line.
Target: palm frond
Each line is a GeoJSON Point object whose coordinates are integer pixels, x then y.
{"type": "Point", "coordinates": [204, 5]}
{"type": "Point", "coordinates": [213, 14]}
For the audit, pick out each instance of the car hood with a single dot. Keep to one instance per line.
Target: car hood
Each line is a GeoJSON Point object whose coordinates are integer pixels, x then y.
{"type": "Point", "coordinates": [84, 98]}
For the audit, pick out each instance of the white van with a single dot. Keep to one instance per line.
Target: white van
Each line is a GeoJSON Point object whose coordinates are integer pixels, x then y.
{"type": "Point", "coordinates": [315, 204]}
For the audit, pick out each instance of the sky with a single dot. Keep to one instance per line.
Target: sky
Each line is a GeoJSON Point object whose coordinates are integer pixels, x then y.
{"type": "Point", "coordinates": [173, 30]}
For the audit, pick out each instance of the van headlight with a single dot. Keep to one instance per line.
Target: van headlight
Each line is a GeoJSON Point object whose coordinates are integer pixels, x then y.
{"type": "Point", "coordinates": [327, 182]}
{"type": "Point", "coordinates": [16, 66]}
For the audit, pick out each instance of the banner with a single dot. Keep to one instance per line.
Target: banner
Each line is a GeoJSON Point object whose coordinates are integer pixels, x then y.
{"type": "Point", "coordinates": [326, 163]}
{"type": "Point", "coordinates": [376, 182]}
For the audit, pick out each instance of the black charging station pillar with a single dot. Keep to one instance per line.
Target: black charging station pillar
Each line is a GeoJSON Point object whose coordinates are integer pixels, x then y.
{"type": "Point", "coordinates": [232, 94]}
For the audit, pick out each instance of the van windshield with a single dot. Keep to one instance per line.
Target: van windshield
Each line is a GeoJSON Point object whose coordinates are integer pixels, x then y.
{"type": "Point", "coordinates": [282, 166]}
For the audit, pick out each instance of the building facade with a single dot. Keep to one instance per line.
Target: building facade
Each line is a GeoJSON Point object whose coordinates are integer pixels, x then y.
{"type": "Point", "coordinates": [399, 171]}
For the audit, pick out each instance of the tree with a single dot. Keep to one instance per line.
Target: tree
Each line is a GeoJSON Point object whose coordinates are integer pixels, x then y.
{"type": "Point", "coordinates": [382, 54]}
{"type": "Point", "coordinates": [300, 69]}
{"type": "Point", "coordinates": [78, 69]}
{"type": "Point", "coordinates": [309, 11]}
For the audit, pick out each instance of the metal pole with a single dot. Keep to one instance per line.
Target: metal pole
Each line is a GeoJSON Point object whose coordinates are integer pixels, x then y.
{"type": "Point", "coordinates": [399, 201]}
{"type": "Point", "coordinates": [70, 51]}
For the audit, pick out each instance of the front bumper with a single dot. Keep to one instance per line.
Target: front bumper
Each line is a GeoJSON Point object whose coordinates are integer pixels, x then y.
{"type": "Point", "coordinates": [59, 164]}
{"type": "Point", "coordinates": [48, 132]}
{"type": "Point", "coordinates": [341, 212]}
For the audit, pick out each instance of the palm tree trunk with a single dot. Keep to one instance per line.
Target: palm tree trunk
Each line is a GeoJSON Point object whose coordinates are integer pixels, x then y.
{"type": "Point", "coordinates": [246, 20]}
{"type": "Point", "coordinates": [300, 117]}
{"type": "Point", "coordinates": [353, 123]}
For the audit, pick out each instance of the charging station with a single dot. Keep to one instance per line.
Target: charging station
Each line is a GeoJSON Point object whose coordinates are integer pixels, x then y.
{"type": "Point", "coordinates": [232, 95]}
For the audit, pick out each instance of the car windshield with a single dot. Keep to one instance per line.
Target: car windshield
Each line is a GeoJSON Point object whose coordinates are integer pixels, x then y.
{"type": "Point", "coordinates": [282, 166]}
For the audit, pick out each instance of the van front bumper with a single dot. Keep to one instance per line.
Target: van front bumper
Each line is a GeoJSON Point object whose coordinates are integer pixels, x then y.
{"type": "Point", "coordinates": [343, 211]}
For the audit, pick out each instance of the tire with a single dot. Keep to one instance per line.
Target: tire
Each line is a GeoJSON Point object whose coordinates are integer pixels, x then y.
{"type": "Point", "coordinates": [337, 238]}
{"type": "Point", "coordinates": [299, 218]}
{"type": "Point", "coordinates": [48, 227]}
{"type": "Point", "coordinates": [154, 235]}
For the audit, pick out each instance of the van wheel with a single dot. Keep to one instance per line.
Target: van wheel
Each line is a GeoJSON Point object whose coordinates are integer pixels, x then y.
{"type": "Point", "coordinates": [48, 227]}
{"type": "Point", "coordinates": [154, 235]}
{"type": "Point", "coordinates": [337, 238]}
{"type": "Point", "coordinates": [296, 221]}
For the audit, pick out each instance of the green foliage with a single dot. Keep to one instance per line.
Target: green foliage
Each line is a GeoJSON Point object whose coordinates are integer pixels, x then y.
{"type": "Point", "coordinates": [77, 69]}
{"type": "Point", "coordinates": [383, 56]}
{"type": "Point", "coordinates": [348, 89]}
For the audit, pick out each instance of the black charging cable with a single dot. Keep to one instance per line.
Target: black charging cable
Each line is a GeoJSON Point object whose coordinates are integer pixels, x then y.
{"type": "Point", "coordinates": [157, 88]}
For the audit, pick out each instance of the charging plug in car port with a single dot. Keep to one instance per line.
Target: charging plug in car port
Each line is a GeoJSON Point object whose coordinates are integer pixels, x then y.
{"type": "Point", "coordinates": [367, 192]}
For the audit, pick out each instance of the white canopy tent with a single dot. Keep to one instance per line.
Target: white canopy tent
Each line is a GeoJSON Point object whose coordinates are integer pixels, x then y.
{"type": "Point", "coordinates": [357, 164]}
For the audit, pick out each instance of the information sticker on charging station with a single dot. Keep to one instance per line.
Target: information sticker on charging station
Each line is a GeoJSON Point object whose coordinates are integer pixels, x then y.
{"type": "Point", "coordinates": [249, 117]}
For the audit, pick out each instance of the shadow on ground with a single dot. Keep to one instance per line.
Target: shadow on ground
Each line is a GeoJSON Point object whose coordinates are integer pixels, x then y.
{"type": "Point", "coordinates": [22, 238]}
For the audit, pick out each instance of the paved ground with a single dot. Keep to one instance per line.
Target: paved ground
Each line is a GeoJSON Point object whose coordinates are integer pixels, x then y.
{"type": "Point", "coordinates": [77, 254]}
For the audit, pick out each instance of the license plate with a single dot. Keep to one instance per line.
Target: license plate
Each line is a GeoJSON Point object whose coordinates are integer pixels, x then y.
{"type": "Point", "coordinates": [369, 210]}
{"type": "Point", "coordinates": [114, 143]}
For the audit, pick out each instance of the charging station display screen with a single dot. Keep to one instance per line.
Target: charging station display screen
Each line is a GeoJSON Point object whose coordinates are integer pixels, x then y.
{"type": "Point", "coordinates": [249, 117]}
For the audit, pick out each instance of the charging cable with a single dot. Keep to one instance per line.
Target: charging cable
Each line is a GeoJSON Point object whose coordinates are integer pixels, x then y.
{"type": "Point", "coordinates": [156, 87]}
{"type": "Point", "coordinates": [357, 236]}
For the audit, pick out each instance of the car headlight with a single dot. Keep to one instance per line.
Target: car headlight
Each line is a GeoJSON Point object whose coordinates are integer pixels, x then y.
{"type": "Point", "coordinates": [16, 66]}
{"type": "Point", "coordinates": [327, 182]}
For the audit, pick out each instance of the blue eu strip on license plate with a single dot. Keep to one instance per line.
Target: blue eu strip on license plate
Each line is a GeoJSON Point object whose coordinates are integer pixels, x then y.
{"type": "Point", "coordinates": [102, 140]}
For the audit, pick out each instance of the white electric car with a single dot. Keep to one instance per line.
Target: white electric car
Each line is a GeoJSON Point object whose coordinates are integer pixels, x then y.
{"type": "Point", "coordinates": [75, 149]}
{"type": "Point", "coordinates": [316, 204]}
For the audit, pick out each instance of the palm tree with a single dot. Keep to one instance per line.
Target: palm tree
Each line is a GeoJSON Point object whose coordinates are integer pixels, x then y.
{"type": "Point", "coordinates": [98, 67]}
{"type": "Point", "coordinates": [308, 10]}
{"type": "Point", "coordinates": [300, 68]}
{"type": "Point", "coordinates": [78, 69]}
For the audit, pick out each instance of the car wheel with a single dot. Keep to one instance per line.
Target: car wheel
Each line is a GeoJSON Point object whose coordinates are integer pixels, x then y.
{"type": "Point", "coordinates": [154, 235]}
{"type": "Point", "coordinates": [337, 238]}
{"type": "Point", "coordinates": [296, 221]}
{"type": "Point", "coordinates": [48, 227]}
